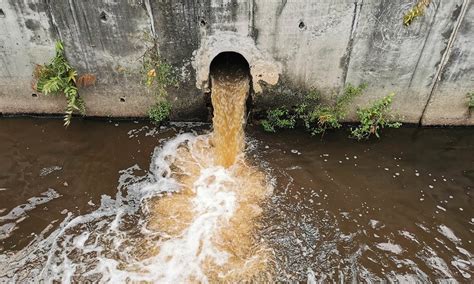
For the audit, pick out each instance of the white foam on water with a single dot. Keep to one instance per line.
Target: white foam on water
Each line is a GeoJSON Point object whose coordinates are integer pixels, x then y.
{"type": "Point", "coordinates": [48, 170]}
{"type": "Point", "coordinates": [394, 248]}
{"type": "Point", "coordinates": [409, 236]}
{"type": "Point", "coordinates": [311, 277]}
{"type": "Point", "coordinates": [106, 245]}
{"type": "Point", "coordinates": [94, 244]}
{"type": "Point", "coordinates": [32, 203]}
{"type": "Point", "coordinates": [448, 233]}
{"type": "Point", "coordinates": [9, 222]}
{"type": "Point", "coordinates": [181, 259]}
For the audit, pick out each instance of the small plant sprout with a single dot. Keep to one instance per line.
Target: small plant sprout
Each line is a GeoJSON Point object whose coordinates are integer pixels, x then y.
{"type": "Point", "coordinates": [58, 77]}
{"type": "Point", "coordinates": [415, 12]}
{"type": "Point", "coordinates": [374, 118]}
{"type": "Point", "coordinates": [470, 103]}
{"type": "Point", "coordinates": [158, 75]}
{"type": "Point", "coordinates": [160, 112]}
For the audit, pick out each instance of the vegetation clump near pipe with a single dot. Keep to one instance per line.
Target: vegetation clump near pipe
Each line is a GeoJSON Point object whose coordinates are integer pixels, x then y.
{"type": "Point", "coordinates": [324, 117]}
{"type": "Point", "coordinates": [374, 118]}
{"type": "Point", "coordinates": [58, 77]}
{"type": "Point", "coordinates": [158, 75]}
{"type": "Point", "coordinates": [317, 117]}
{"type": "Point", "coordinates": [278, 118]}
{"type": "Point", "coordinates": [415, 11]}
{"type": "Point", "coordinates": [284, 117]}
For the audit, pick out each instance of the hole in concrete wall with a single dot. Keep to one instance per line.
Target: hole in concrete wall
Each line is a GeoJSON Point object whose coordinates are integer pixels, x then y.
{"type": "Point", "coordinates": [301, 25]}
{"type": "Point", "coordinates": [34, 95]}
{"type": "Point", "coordinates": [103, 16]}
{"type": "Point", "coordinates": [230, 64]}
{"type": "Point", "coordinates": [2, 14]}
{"type": "Point", "coordinates": [229, 61]}
{"type": "Point", "coordinates": [202, 23]}
{"type": "Point", "coordinates": [122, 99]}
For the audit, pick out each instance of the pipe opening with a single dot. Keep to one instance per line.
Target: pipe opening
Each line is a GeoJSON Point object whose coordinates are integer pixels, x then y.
{"type": "Point", "coordinates": [229, 63]}
{"type": "Point", "coordinates": [229, 66]}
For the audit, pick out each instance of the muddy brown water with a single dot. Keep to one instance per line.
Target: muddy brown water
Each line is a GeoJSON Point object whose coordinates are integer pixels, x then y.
{"type": "Point", "coordinates": [399, 209]}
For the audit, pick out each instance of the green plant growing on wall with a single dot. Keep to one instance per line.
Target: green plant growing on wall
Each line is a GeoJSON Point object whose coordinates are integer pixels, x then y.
{"type": "Point", "coordinates": [415, 12]}
{"type": "Point", "coordinates": [324, 117]}
{"type": "Point", "coordinates": [374, 118]}
{"type": "Point", "coordinates": [312, 98]}
{"type": "Point", "coordinates": [157, 76]}
{"type": "Point", "coordinates": [470, 103]}
{"type": "Point", "coordinates": [58, 77]}
{"type": "Point", "coordinates": [159, 112]}
{"type": "Point", "coordinates": [279, 118]}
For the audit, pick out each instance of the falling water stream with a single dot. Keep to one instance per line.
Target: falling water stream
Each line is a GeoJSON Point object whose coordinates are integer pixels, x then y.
{"type": "Point", "coordinates": [210, 221]}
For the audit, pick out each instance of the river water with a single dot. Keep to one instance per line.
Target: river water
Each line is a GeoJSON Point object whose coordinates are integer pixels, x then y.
{"type": "Point", "coordinates": [104, 201]}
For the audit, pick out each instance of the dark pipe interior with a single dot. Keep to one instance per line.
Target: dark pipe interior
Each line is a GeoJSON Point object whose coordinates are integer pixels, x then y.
{"type": "Point", "coordinates": [229, 64]}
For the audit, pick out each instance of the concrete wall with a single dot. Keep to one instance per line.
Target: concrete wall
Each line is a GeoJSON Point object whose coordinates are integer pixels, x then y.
{"type": "Point", "coordinates": [291, 46]}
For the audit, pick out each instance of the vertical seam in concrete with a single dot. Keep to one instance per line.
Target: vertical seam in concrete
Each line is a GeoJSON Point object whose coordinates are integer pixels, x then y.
{"type": "Point", "coordinates": [424, 45]}
{"type": "Point", "coordinates": [186, 17]}
{"type": "Point", "coordinates": [445, 57]}
{"type": "Point", "coordinates": [76, 25]}
{"type": "Point", "coordinates": [276, 25]}
{"type": "Point", "coordinates": [150, 15]}
{"type": "Point", "coordinates": [251, 19]}
{"type": "Point", "coordinates": [280, 7]}
{"type": "Point", "coordinates": [88, 29]}
{"type": "Point", "coordinates": [53, 19]}
{"type": "Point", "coordinates": [350, 44]}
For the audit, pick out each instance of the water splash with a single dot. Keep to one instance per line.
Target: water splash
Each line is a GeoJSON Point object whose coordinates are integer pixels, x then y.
{"type": "Point", "coordinates": [193, 217]}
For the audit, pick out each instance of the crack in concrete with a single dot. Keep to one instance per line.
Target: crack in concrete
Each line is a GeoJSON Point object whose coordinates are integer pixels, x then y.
{"type": "Point", "coordinates": [150, 15]}
{"type": "Point", "coordinates": [445, 57]}
{"type": "Point", "coordinates": [252, 30]}
{"type": "Point", "coordinates": [53, 22]}
{"type": "Point", "coordinates": [424, 45]}
{"type": "Point", "coordinates": [280, 7]}
{"type": "Point", "coordinates": [83, 50]}
{"type": "Point", "coordinates": [350, 44]}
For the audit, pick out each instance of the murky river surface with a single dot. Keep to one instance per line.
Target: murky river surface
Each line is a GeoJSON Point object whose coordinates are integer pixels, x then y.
{"type": "Point", "coordinates": [400, 208]}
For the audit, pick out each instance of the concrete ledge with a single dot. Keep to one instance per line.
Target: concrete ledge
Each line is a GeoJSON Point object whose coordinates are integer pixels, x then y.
{"type": "Point", "coordinates": [131, 100]}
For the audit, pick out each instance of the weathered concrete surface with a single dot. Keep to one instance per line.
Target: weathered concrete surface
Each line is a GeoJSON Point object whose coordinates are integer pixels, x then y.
{"type": "Point", "coordinates": [456, 79]}
{"type": "Point", "coordinates": [103, 38]}
{"type": "Point", "coordinates": [309, 37]}
{"type": "Point", "coordinates": [403, 60]}
{"type": "Point", "coordinates": [24, 41]}
{"type": "Point", "coordinates": [291, 44]}
{"type": "Point", "coordinates": [263, 68]}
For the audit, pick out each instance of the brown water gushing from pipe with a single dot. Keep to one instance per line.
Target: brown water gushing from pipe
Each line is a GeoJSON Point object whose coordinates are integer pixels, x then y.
{"type": "Point", "coordinates": [229, 94]}
{"type": "Point", "coordinates": [211, 224]}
